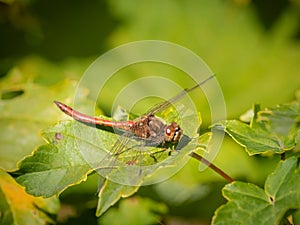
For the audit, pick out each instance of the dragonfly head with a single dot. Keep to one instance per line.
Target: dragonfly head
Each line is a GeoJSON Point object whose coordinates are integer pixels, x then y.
{"type": "Point", "coordinates": [173, 133]}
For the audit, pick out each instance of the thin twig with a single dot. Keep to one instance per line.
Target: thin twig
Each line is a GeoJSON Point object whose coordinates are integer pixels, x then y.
{"type": "Point", "coordinates": [212, 166]}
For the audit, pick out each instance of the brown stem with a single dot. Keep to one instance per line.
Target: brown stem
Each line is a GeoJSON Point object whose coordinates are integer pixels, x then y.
{"type": "Point", "coordinates": [212, 166]}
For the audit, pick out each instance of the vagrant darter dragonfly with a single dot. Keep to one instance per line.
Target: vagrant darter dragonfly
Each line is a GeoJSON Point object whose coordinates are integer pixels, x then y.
{"type": "Point", "coordinates": [147, 129]}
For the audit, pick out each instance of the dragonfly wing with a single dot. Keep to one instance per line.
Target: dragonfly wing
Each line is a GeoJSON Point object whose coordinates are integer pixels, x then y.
{"type": "Point", "coordinates": [162, 106]}
{"type": "Point", "coordinates": [110, 160]}
{"type": "Point", "coordinates": [129, 160]}
{"type": "Point", "coordinates": [124, 161]}
{"type": "Point", "coordinates": [181, 94]}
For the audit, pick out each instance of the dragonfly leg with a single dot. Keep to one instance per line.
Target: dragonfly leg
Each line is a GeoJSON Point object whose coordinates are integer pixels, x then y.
{"type": "Point", "coordinates": [152, 154]}
{"type": "Point", "coordinates": [153, 157]}
{"type": "Point", "coordinates": [173, 151]}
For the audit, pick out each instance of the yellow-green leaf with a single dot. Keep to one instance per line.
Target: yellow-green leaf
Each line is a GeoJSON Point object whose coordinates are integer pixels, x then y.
{"type": "Point", "coordinates": [18, 207]}
{"type": "Point", "coordinates": [249, 204]}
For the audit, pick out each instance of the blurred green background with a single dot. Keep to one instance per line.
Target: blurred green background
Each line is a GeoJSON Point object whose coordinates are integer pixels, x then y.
{"type": "Point", "coordinates": [252, 46]}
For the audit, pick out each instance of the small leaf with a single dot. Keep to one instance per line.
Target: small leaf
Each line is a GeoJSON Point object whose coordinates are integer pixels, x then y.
{"type": "Point", "coordinates": [203, 141]}
{"type": "Point", "coordinates": [110, 193]}
{"type": "Point", "coordinates": [284, 120]}
{"type": "Point", "coordinates": [17, 207]}
{"type": "Point", "coordinates": [120, 114]}
{"type": "Point", "coordinates": [274, 130]}
{"type": "Point", "coordinates": [247, 116]}
{"type": "Point", "coordinates": [249, 204]}
{"type": "Point", "coordinates": [255, 141]}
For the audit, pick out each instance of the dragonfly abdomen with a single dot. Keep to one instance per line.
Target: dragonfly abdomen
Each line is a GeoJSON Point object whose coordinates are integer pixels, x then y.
{"type": "Point", "coordinates": [90, 120]}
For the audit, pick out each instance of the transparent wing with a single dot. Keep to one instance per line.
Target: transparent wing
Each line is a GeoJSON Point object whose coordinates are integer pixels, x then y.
{"type": "Point", "coordinates": [125, 163]}
{"type": "Point", "coordinates": [166, 104]}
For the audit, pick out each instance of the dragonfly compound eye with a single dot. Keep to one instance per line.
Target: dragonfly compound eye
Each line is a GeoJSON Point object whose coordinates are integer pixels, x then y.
{"type": "Point", "coordinates": [173, 132]}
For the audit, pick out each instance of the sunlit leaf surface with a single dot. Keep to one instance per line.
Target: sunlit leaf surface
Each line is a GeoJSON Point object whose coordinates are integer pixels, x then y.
{"type": "Point", "coordinates": [17, 207]}
{"type": "Point", "coordinates": [250, 204]}
{"type": "Point", "coordinates": [271, 130]}
{"type": "Point", "coordinates": [74, 150]}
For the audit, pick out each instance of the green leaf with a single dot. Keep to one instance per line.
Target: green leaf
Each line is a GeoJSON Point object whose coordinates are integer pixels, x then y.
{"type": "Point", "coordinates": [59, 164]}
{"type": "Point", "coordinates": [203, 141]}
{"type": "Point", "coordinates": [255, 141]}
{"type": "Point", "coordinates": [110, 193]}
{"type": "Point", "coordinates": [273, 130]}
{"type": "Point", "coordinates": [284, 120]}
{"type": "Point", "coordinates": [17, 207]}
{"type": "Point", "coordinates": [74, 150]}
{"type": "Point", "coordinates": [250, 204]}
{"type": "Point", "coordinates": [23, 117]}
{"type": "Point", "coordinates": [135, 211]}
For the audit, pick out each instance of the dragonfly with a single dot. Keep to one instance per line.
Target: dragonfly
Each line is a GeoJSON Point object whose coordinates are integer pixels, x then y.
{"type": "Point", "coordinates": [147, 130]}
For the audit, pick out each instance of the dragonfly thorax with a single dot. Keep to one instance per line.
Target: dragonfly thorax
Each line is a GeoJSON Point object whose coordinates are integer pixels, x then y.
{"type": "Point", "coordinates": [156, 131]}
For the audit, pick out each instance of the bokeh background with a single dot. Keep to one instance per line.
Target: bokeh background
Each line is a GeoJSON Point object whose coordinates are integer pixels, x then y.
{"type": "Point", "coordinates": [252, 46]}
